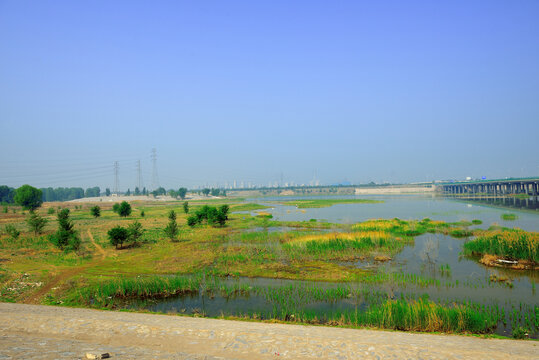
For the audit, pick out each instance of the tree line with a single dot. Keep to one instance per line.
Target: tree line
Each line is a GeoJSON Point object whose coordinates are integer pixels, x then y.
{"type": "Point", "coordinates": [7, 194]}
{"type": "Point", "coordinates": [66, 194]}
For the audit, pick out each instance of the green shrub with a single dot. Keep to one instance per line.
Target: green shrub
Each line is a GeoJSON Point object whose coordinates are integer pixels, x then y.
{"type": "Point", "coordinates": [36, 223]}
{"type": "Point", "coordinates": [118, 235]}
{"type": "Point", "coordinates": [12, 231]}
{"type": "Point", "coordinates": [171, 230]}
{"type": "Point", "coordinates": [134, 231]}
{"type": "Point", "coordinates": [124, 209]}
{"type": "Point", "coordinates": [519, 333]}
{"type": "Point", "coordinates": [65, 238]}
{"type": "Point", "coordinates": [192, 220]}
{"type": "Point", "coordinates": [186, 207]}
{"type": "Point", "coordinates": [95, 211]}
{"type": "Point", "coordinates": [210, 214]}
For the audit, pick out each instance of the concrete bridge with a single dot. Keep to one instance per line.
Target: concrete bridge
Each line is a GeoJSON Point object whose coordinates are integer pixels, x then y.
{"type": "Point", "coordinates": [529, 186]}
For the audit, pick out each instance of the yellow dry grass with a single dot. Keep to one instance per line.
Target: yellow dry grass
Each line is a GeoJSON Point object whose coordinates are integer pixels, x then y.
{"type": "Point", "coordinates": [342, 236]}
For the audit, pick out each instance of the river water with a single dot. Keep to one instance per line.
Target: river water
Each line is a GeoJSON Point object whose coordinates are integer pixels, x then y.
{"type": "Point", "coordinates": [406, 207]}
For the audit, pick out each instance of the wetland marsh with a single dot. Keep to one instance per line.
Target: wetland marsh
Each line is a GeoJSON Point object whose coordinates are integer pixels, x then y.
{"type": "Point", "coordinates": [397, 262]}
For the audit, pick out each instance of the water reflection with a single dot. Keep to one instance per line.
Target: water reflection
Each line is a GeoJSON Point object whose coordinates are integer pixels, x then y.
{"type": "Point", "coordinates": [528, 203]}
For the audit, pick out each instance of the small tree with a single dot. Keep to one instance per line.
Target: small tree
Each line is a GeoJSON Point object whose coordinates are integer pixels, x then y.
{"type": "Point", "coordinates": [107, 192]}
{"type": "Point", "coordinates": [118, 235]}
{"type": "Point", "coordinates": [186, 207]}
{"type": "Point", "coordinates": [128, 193]}
{"type": "Point", "coordinates": [142, 213]}
{"type": "Point", "coordinates": [95, 211]}
{"type": "Point", "coordinates": [211, 215]}
{"type": "Point", "coordinates": [182, 192]}
{"type": "Point", "coordinates": [206, 191]}
{"type": "Point", "coordinates": [116, 208]}
{"type": "Point", "coordinates": [220, 218]}
{"type": "Point", "coordinates": [171, 230]}
{"type": "Point", "coordinates": [28, 197]}
{"type": "Point", "coordinates": [36, 223]}
{"type": "Point", "coordinates": [125, 209]}
{"type": "Point", "coordinates": [65, 237]}
{"type": "Point", "coordinates": [134, 232]}
{"type": "Point", "coordinates": [224, 209]}
{"type": "Point", "coordinates": [12, 231]}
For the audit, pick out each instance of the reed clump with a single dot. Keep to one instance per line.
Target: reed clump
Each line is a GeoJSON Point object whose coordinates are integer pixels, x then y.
{"type": "Point", "coordinates": [511, 244]}
{"type": "Point", "coordinates": [397, 226]}
{"type": "Point", "coordinates": [320, 203]}
{"type": "Point", "coordinates": [509, 217]}
{"type": "Point", "coordinates": [425, 315]}
{"type": "Point", "coordinates": [343, 246]}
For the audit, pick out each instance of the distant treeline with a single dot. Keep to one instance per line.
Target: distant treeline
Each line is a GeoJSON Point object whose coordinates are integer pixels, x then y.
{"type": "Point", "coordinates": [49, 194]}
{"type": "Point", "coordinates": [72, 193]}
{"type": "Point", "coordinates": [66, 194]}
{"type": "Point", "coordinates": [6, 194]}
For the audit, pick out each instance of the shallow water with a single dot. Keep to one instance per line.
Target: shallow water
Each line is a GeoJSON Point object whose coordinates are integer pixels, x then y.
{"type": "Point", "coordinates": [466, 280]}
{"type": "Point", "coordinates": [462, 279]}
{"type": "Point", "coordinates": [408, 207]}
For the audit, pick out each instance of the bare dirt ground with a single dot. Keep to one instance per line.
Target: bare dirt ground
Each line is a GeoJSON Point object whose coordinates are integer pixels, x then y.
{"type": "Point", "coordinates": [43, 332]}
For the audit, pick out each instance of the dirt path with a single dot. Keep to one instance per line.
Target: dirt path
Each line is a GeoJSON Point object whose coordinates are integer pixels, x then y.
{"type": "Point", "coordinates": [97, 246]}
{"type": "Point", "coordinates": [60, 332]}
{"type": "Point", "coordinates": [63, 276]}
{"type": "Point", "coordinates": [56, 280]}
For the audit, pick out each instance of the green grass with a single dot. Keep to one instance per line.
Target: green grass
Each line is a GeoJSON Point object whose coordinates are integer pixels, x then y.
{"type": "Point", "coordinates": [460, 233]}
{"type": "Point", "coordinates": [320, 203]}
{"type": "Point", "coordinates": [290, 303]}
{"type": "Point", "coordinates": [247, 207]}
{"type": "Point", "coordinates": [342, 246]}
{"type": "Point", "coordinates": [28, 242]}
{"type": "Point", "coordinates": [424, 315]}
{"type": "Point", "coordinates": [512, 244]}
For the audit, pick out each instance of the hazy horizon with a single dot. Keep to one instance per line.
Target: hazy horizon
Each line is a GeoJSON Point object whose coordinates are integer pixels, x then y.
{"type": "Point", "coordinates": [258, 92]}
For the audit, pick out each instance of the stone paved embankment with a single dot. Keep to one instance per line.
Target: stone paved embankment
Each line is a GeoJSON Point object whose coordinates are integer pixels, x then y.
{"type": "Point", "coordinates": [43, 332]}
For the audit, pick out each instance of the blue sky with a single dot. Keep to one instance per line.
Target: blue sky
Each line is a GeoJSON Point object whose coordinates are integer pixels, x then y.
{"type": "Point", "coordinates": [248, 90]}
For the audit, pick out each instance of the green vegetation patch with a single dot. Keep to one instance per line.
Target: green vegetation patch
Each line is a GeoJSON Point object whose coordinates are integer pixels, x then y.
{"type": "Point", "coordinates": [291, 303]}
{"type": "Point", "coordinates": [320, 203]}
{"type": "Point", "coordinates": [343, 246]}
{"type": "Point", "coordinates": [247, 207]}
{"type": "Point", "coordinates": [513, 244]}
{"type": "Point", "coordinates": [509, 217]}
